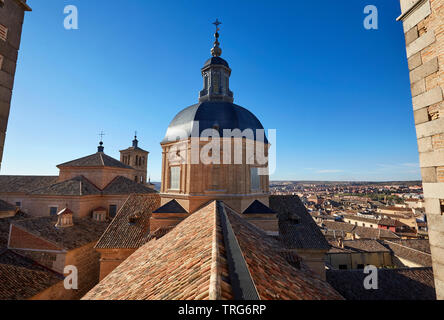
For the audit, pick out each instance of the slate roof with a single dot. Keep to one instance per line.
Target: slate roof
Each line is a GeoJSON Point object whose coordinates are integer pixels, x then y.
{"type": "Point", "coordinates": [171, 207]}
{"type": "Point", "coordinates": [5, 225]}
{"type": "Point", "coordinates": [21, 278]}
{"type": "Point", "coordinates": [399, 250]}
{"type": "Point", "coordinates": [84, 231]}
{"type": "Point", "coordinates": [208, 114]}
{"type": "Point", "coordinates": [393, 284]}
{"type": "Point", "coordinates": [24, 184]}
{"type": "Point", "coordinates": [123, 185]}
{"type": "Point", "coordinates": [98, 159]}
{"type": "Point", "coordinates": [121, 232]}
{"type": "Point", "coordinates": [296, 227]}
{"type": "Point", "coordinates": [77, 186]}
{"type": "Point", "coordinates": [193, 261]}
{"type": "Point", "coordinates": [257, 207]}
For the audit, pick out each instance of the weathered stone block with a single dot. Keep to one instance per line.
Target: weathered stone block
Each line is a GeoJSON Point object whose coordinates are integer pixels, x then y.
{"type": "Point", "coordinates": [427, 98]}
{"type": "Point", "coordinates": [6, 80]}
{"type": "Point", "coordinates": [436, 239]}
{"type": "Point", "coordinates": [411, 35]}
{"type": "Point", "coordinates": [432, 159]}
{"type": "Point", "coordinates": [432, 206]}
{"type": "Point", "coordinates": [433, 190]}
{"type": "Point", "coordinates": [416, 16]}
{"type": "Point", "coordinates": [415, 61]}
{"type": "Point", "coordinates": [425, 70]}
{"type": "Point", "coordinates": [428, 175]}
{"type": "Point", "coordinates": [430, 128]}
{"type": "Point", "coordinates": [416, 46]}
{"type": "Point", "coordinates": [421, 115]}
{"type": "Point", "coordinates": [418, 87]}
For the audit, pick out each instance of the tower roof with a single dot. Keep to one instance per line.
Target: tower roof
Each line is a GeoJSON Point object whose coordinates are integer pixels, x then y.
{"type": "Point", "coordinates": [98, 159]}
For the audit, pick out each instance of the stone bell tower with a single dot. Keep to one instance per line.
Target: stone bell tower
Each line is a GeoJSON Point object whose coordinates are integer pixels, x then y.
{"type": "Point", "coordinates": [137, 158]}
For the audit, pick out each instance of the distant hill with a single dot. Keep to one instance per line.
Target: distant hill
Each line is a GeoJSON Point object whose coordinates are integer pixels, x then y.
{"type": "Point", "coordinates": [406, 183]}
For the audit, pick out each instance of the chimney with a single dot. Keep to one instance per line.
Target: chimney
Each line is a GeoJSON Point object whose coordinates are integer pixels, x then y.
{"type": "Point", "coordinates": [64, 218]}
{"type": "Point", "coordinates": [341, 243]}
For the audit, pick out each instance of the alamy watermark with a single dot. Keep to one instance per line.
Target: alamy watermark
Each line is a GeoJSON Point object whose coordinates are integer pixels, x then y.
{"type": "Point", "coordinates": [72, 279]}
{"type": "Point", "coordinates": [71, 21]}
{"type": "Point", "coordinates": [227, 146]}
{"type": "Point", "coordinates": [371, 20]}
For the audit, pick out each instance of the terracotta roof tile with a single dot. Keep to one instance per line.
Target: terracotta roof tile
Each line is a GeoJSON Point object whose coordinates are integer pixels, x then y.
{"type": "Point", "coordinates": [408, 253]}
{"type": "Point", "coordinates": [78, 186]}
{"type": "Point", "coordinates": [191, 262]}
{"type": "Point", "coordinates": [296, 227]}
{"type": "Point", "coordinates": [98, 159]}
{"type": "Point", "coordinates": [123, 185]}
{"type": "Point", "coordinates": [121, 232]}
{"type": "Point", "coordinates": [5, 225]}
{"type": "Point", "coordinates": [84, 231]}
{"type": "Point", "coordinates": [24, 184]}
{"type": "Point", "coordinates": [21, 278]}
{"type": "Point", "coordinates": [393, 284]}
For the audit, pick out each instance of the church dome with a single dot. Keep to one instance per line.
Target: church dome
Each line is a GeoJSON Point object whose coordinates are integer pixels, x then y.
{"type": "Point", "coordinates": [217, 115]}
{"type": "Point", "coordinates": [216, 61]}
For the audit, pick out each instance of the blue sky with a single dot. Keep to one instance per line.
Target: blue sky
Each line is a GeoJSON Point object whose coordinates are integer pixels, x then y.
{"type": "Point", "coordinates": [337, 94]}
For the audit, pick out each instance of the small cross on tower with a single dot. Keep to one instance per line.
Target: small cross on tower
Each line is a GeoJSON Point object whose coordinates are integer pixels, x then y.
{"type": "Point", "coordinates": [217, 23]}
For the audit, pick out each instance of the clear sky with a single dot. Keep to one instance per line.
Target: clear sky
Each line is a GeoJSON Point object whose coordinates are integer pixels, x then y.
{"type": "Point", "coordinates": [337, 94]}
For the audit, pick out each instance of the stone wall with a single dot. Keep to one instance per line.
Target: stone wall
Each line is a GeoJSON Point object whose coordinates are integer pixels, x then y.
{"type": "Point", "coordinates": [11, 20]}
{"type": "Point", "coordinates": [423, 25]}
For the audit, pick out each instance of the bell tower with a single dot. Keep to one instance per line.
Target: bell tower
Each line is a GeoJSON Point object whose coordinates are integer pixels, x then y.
{"type": "Point", "coordinates": [138, 159]}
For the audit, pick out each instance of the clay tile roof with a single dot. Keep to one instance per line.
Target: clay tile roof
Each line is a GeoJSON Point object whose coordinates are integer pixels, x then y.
{"type": "Point", "coordinates": [193, 261]}
{"type": "Point", "coordinates": [5, 225]}
{"type": "Point", "coordinates": [123, 185]}
{"type": "Point", "coordinates": [24, 184]}
{"type": "Point", "coordinates": [363, 245]}
{"type": "Point", "coordinates": [78, 186]}
{"type": "Point", "coordinates": [21, 278]}
{"type": "Point", "coordinates": [64, 211]}
{"type": "Point", "coordinates": [340, 228]}
{"type": "Point", "coordinates": [176, 267]}
{"type": "Point", "coordinates": [123, 234]}
{"type": "Point", "coordinates": [84, 231]}
{"type": "Point", "coordinates": [6, 206]}
{"type": "Point", "coordinates": [98, 159]}
{"type": "Point", "coordinates": [301, 233]}
{"type": "Point", "coordinates": [258, 207]}
{"type": "Point", "coordinates": [393, 284]}
{"type": "Point", "coordinates": [399, 249]}
{"type": "Point", "coordinates": [171, 207]}
{"type": "Point", "coordinates": [273, 276]}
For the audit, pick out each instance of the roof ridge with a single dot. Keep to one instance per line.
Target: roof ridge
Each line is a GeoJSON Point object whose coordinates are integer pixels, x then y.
{"type": "Point", "coordinates": [242, 282]}
{"type": "Point", "coordinates": [215, 277]}
{"type": "Point", "coordinates": [101, 158]}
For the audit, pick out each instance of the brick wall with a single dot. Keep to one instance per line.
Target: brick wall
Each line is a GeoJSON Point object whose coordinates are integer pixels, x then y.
{"type": "Point", "coordinates": [423, 26]}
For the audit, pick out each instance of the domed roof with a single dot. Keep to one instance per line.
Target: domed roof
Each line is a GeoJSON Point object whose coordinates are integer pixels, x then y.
{"type": "Point", "coordinates": [211, 115]}
{"type": "Point", "coordinates": [216, 61]}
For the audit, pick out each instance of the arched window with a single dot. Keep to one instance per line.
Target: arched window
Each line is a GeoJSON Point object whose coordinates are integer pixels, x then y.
{"type": "Point", "coordinates": [137, 161]}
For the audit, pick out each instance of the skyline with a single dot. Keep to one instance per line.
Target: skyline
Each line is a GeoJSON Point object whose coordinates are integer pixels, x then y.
{"type": "Point", "coordinates": [82, 81]}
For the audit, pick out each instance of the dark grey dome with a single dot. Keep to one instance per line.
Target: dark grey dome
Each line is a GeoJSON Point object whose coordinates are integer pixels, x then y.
{"type": "Point", "coordinates": [216, 61]}
{"type": "Point", "coordinates": [211, 115]}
